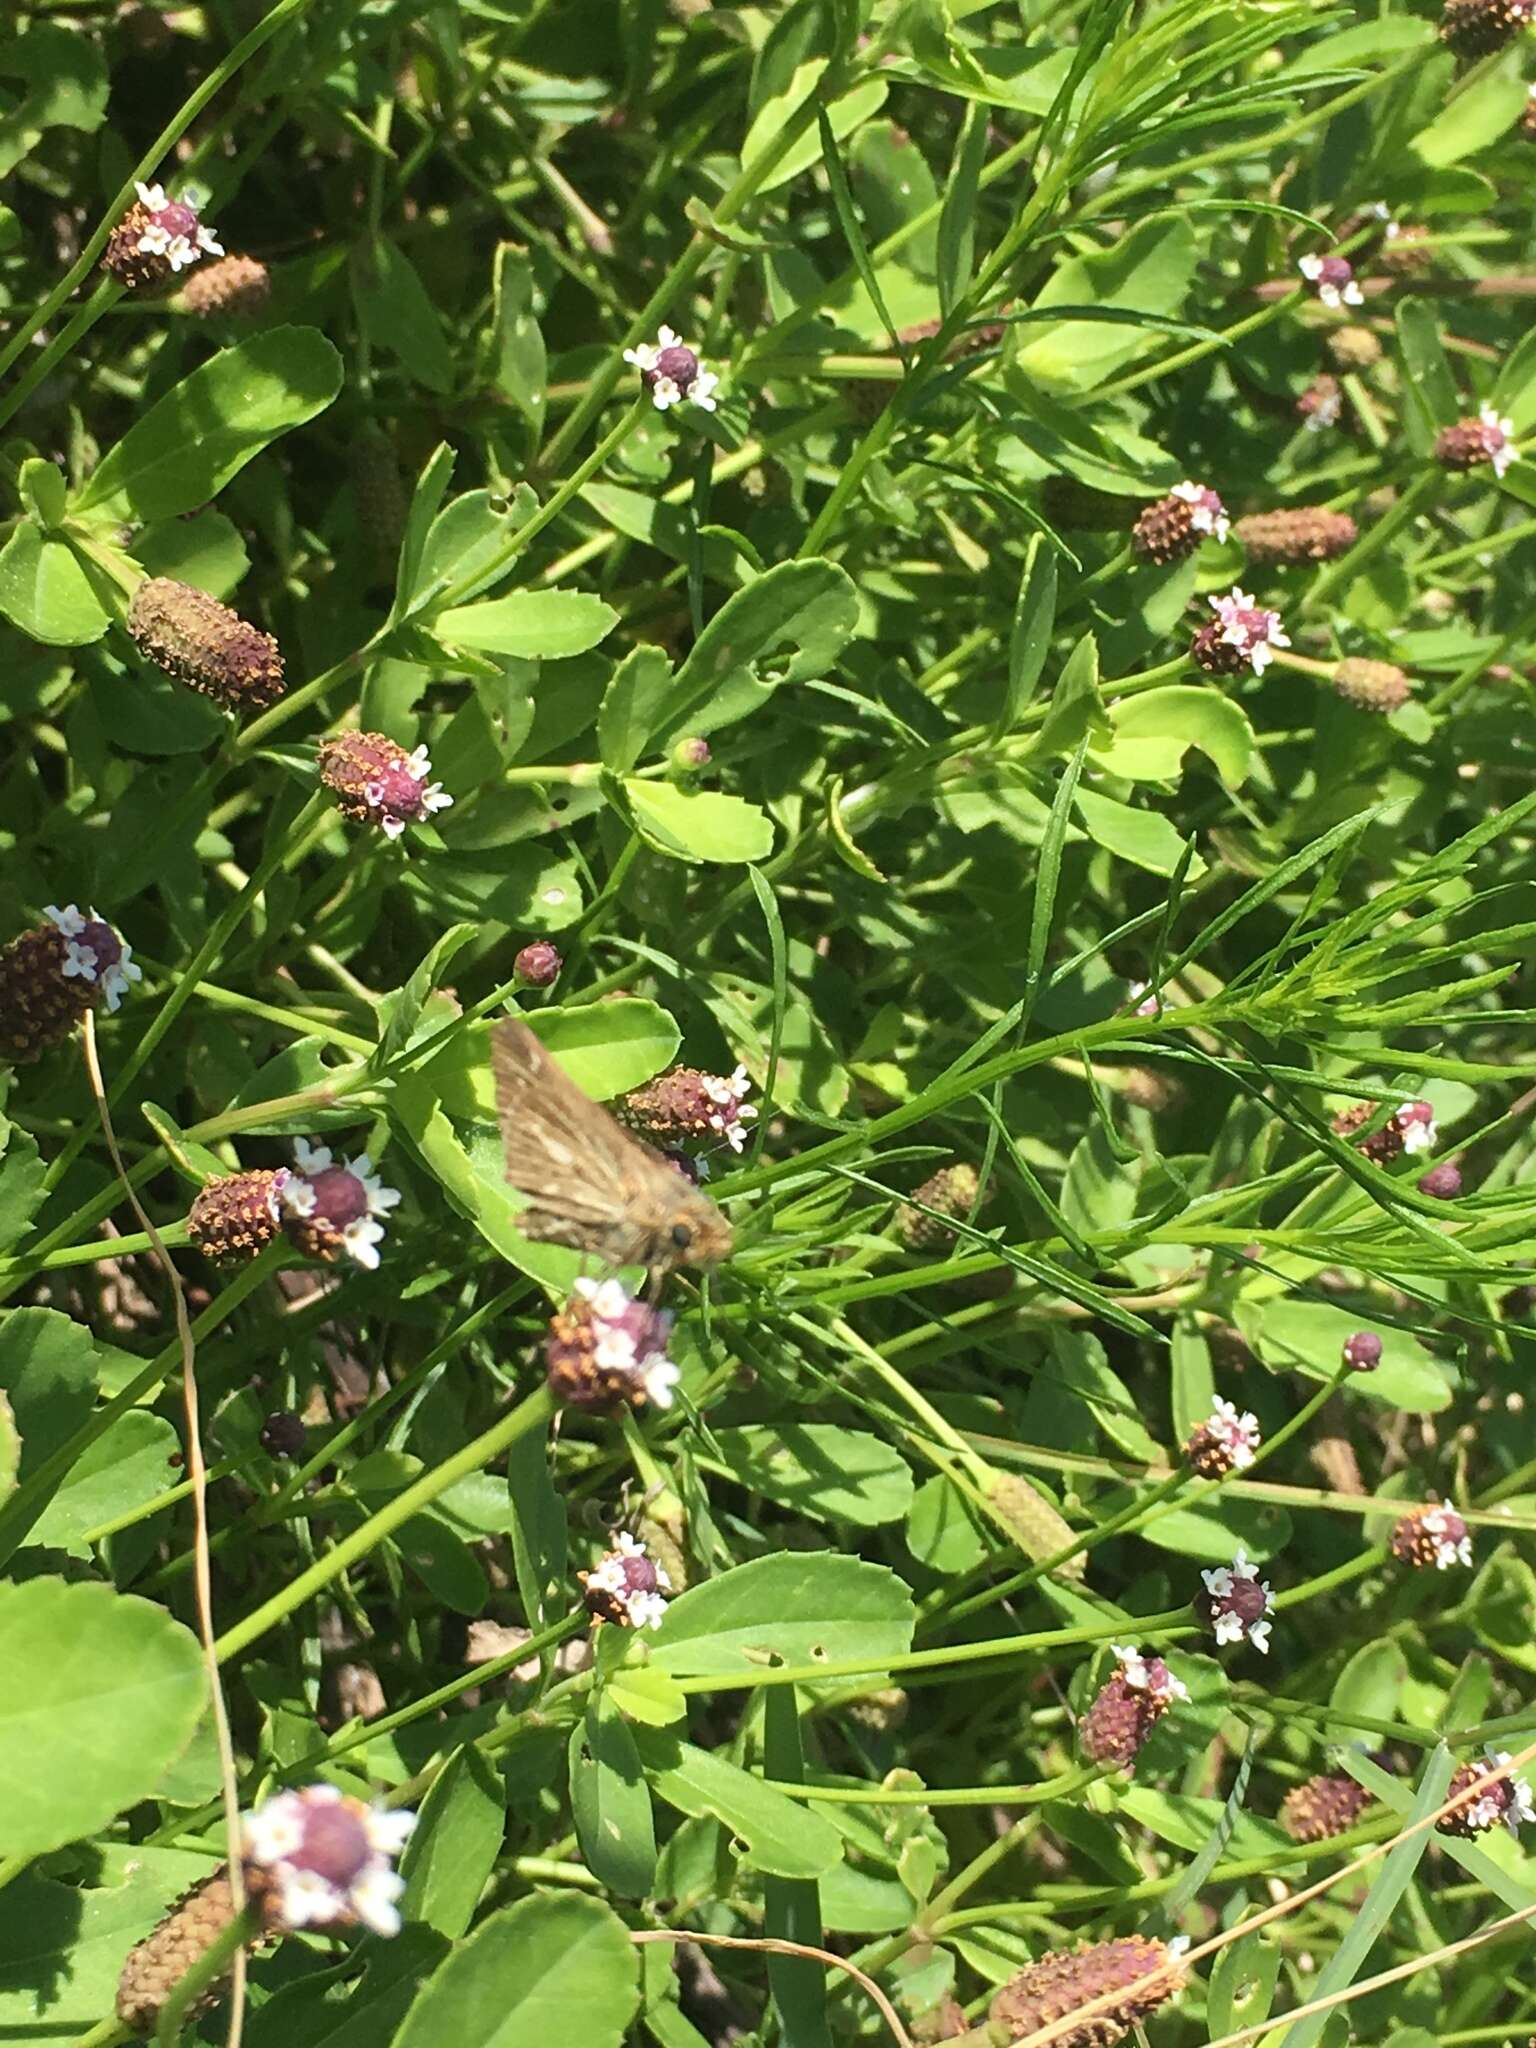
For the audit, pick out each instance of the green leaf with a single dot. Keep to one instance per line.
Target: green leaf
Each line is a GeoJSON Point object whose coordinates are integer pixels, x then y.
{"type": "Point", "coordinates": [22, 1181]}
{"type": "Point", "coordinates": [1029, 642]}
{"type": "Point", "coordinates": [99, 1693]}
{"type": "Point", "coordinates": [1428, 383]}
{"type": "Point", "coordinates": [792, 1608]}
{"type": "Point", "coordinates": [777, 1834]}
{"type": "Point", "coordinates": [62, 1950]}
{"type": "Point", "coordinates": [1370, 1684]}
{"type": "Point", "coordinates": [130, 1463]}
{"type": "Point", "coordinates": [400, 1011]}
{"type": "Point", "coordinates": [1145, 838]}
{"type": "Point", "coordinates": [48, 1366]}
{"type": "Point", "coordinates": [536, 624]}
{"type": "Point", "coordinates": [1098, 1196]}
{"type": "Point", "coordinates": [646, 1695]}
{"type": "Point", "coordinates": [1390, 36]}
{"type": "Point", "coordinates": [792, 1906]}
{"type": "Point", "coordinates": [10, 1449]}
{"type": "Point", "coordinates": [1078, 1361]}
{"type": "Point", "coordinates": [1148, 270]}
{"type": "Point", "coordinates": [450, 1856]}
{"type": "Point", "coordinates": [1211, 1531]}
{"type": "Point", "coordinates": [786, 626]}
{"type": "Point", "coordinates": [518, 367]}
{"type": "Point", "coordinates": [1077, 707]}
{"type": "Point", "coordinates": [45, 592]}
{"type": "Point", "coordinates": [699, 825]}
{"type": "Point", "coordinates": [848, 221]}
{"type": "Point", "coordinates": [63, 77]}
{"type": "Point", "coordinates": [555, 1965]}
{"type": "Point", "coordinates": [466, 544]}
{"type": "Point", "coordinates": [611, 1803]}
{"type": "Point", "coordinates": [1308, 1337]}
{"type": "Point", "coordinates": [1149, 735]}
{"type": "Point", "coordinates": [631, 706]}
{"type": "Point", "coordinates": [185, 449]}
{"type": "Point", "coordinates": [818, 1469]}
{"type": "Point", "coordinates": [945, 1529]}
{"type": "Point", "coordinates": [1241, 1986]}
{"type": "Point", "coordinates": [205, 550]}
{"type": "Point", "coordinates": [845, 114]}
{"type": "Point", "coordinates": [956, 247]}
{"type": "Point", "coordinates": [398, 316]}
{"type": "Point", "coordinates": [1483, 113]}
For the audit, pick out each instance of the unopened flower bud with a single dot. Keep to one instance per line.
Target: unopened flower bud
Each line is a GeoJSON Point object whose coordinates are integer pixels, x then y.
{"type": "Point", "coordinates": [1300, 533]}
{"type": "Point", "coordinates": [283, 1434]}
{"type": "Point", "coordinates": [538, 965]}
{"type": "Point", "coordinates": [1145, 1974]}
{"type": "Point", "coordinates": [376, 782]}
{"type": "Point", "coordinates": [51, 975]}
{"type": "Point", "coordinates": [206, 645]}
{"type": "Point", "coordinates": [1372, 685]}
{"type": "Point", "coordinates": [1476, 28]}
{"type": "Point", "coordinates": [1432, 1538]}
{"type": "Point", "coordinates": [233, 288]}
{"type": "Point", "coordinates": [238, 1215]}
{"type": "Point", "coordinates": [1323, 1807]}
{"type": "Point", "coordinates": [156, 238]}
{"type": "Point", "coordinates": [689, 756]}
{"type": "Point", "coordinates": [1362, 1351]}
{"type": "Point", "coordinates": [1175, 526]}
{"type": "Point", "coordinates": [1443, 1182]}
{"type": "Point", "coordinates": [953, 1191]}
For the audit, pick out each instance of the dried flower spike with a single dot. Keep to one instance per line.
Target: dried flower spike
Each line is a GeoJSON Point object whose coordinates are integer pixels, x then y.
{"type": "Point", "coordinates": [1489, 438]}
{"type": "Point", "coordinates": [1476, 28]}
{"type": "Point", "coordinates": [234, 288]}
{"type": "Point", "coordinates": [1432, 1538]}
{"type": "Point", "coordinates": [1225, 1442]}
{"type": "Point", "coordinates": [204, 644]}
{"type": "Point", "coordinates": [686, 1105]}
{"type": "Point", "coordinates": [1362, 1351]}
{"type": "Point", "coordinates": [1323, 1807]}
{"type": "Point", "coordinates": [671, 372]}
{"type": "Point", "coordinates": [238, 1215]}
{"type": "Point", "coordinates": [1487, 1800]}
{"type": "Point", "coordinates": [1127, 1707]}
{"type": "Point", "coordinates": [1174, 527]}
{"type": "Point", "coordinates": [1333, 280]}
{"type": "Point", "coordinates": [607, 1350]}
{"type": "Point", "coordinates": [378, 783]}
{"type": "Point", "coordinates": [51, 975]}
{"type": "Point", "coordinates": [1242, 634]}
{"type": "Point", "coordinates": [1372, 685]}
{"type": "Point", "coordinates": [331, 1211]}
{"type": "Point", "coordinates": [324, 1860]}
{"type": "Point", "coordinates": [625, 1586]}
{"type": "Point", "coordinates": [157, 1964]}
{"type": "Point", "coordinates": [953, 1192]}
{"type": "Point", "coordinates": [156, 238]}
{"type": "Point", "coordinates": [1301, 533]}
{"type": "Point", "coordinates": [1144, 1972]}
{"type": "Point", "coordinates": [1236, 1603]}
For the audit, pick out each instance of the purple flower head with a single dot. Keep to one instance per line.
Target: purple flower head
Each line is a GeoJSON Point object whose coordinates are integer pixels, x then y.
{"type": "Point", "coordinates": [1225, 1442]}
{"type": "Point", "coordinates": [1236, 1603]}
{"type": "Point", "coordinates": [607, 1348]}
{"type": "Point", "coordinates": [626, 1586]}
{"type": "Point", "coordinates": [376, 782]}
{"type": "Point", "coordinates": [1333, 279]}
{"type": "Point", "coordinates": [1432, 1538]}
{"type": "Point", "coordinates": [331, 1209]}
{"type": "Point", "coordinates": [1362, 1351]}
{"type": "Point", "coordinates": [94, 953]}
{"type": "Point", "coordinates": [1249, 628]}
{"type": "Point", "coordinates": [1489, 1799]}
{"type": "Point", "coordinates": [671, 372]}
{"type": "Point", "coordinates": [324, 1860]}
{"type": "Point", "coordinates": [1128, 1707]}
{"type": "Point", "coordinates": [1207, 514]}
{"type": "Point", "coordinates": [173, 230]}
{"type": "Point", "coordinates": [1415, 1121]}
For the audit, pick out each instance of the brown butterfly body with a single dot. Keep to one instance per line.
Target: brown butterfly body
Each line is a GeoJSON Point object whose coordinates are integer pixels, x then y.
{"type": "Point", "coordinates": [590, 1184]}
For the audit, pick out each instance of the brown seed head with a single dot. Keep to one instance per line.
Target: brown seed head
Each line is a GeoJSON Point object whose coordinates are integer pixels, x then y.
{"type": "Point", "coordinates": [140, 270]}
{"type": "Point", "coordinates": [1136, 1968]}
{"type": "Point", "coordinates": [952, 1191]}
{"type": "Point", "coordinates": [237, 1216]}
{"type": "Point", "coordinates": [1476, 28]}
{"type": "Point", "coordinates": [1373, 685]}
{"type": "Point", "coordinates": [229, 288]}
{"type": "Point", "coordinates": [206, 645]}
{"type": "Point", "coordinates": [159, 1962]}
{"type": "Point", "coordinates": [1353, 347]}
{"type": "Point", "coordinates": [1323, 1807]}
{"type": "Point", "coordinates": [39, 1006]}
{"type": "Point", "coordinates": [1301, 533]}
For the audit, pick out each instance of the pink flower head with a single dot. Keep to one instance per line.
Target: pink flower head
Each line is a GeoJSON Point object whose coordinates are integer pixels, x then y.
{"type": "Point", "coordinates": [1362, 1351]}
{"type": "Point", "coordinates": [626, 1586]}
{"type": "Point", "coordinates": [174, 230]}
{"type": "Point", "coordinates": [331, 1209]}
{"type": "Point", "coordinates": [1415, 1121]}
{"type": "Point", "coordinates": [610, 1338]}
{"type": "Point", "coordinates": [1207, 514]}
{"type": "Point", "coordinates": [1250, 629]}
{"type": "Point", "coordinates": [94, 953]}
{"type": "Point", "coordinates": [1236, 1603]}
{"type": "Point", "coordinates": [327, 1860]}
{"type": "Point", "coordinates": [1333, 278]}
{"type": "Point", "coordinates": [671, 372]}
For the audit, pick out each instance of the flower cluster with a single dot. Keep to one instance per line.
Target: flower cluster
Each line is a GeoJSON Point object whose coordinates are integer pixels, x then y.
{"type": "Point", "coordinates": [671, 372]}
{"type": "Point", "coordinates": [1489, 438]}
{"type": "Point", "coordinates": [52, 974]}
{"type": "Point", "coordinates": [1432, 1538]}
{"type": "Point", "coordinates": [1236, 1603]}
{"type": "Point", "coordinates": [1333, 280]}
{"type": "Point", "coordinates": [331, 1210]}
{"type": "Point", "coordinates": [1486, 1799]}
{"type": "Point", "coordinates": [155, 239]}
{"type": "Point", "coordinates": [607, 1350]}
{"type": "Point", "coordinates": [1411, 1128]}
{"type": "Point", "coordinates": [686, 1105]}
{"type": "Point", "coordinates": [1242, 632]}
{"type": "Point", "coordinates": [1175, 526]}
{"type": "Point", "coordinates": [1127, 1707]}
{"type": "Point", "coordinates": [320, 1859]}
{"type": "Point", "coordinates": [376, 782]}
{"type": "Point", "coordinates": [1225, 1442]}
{"type": "Point", "coordinates": [626, 1586]}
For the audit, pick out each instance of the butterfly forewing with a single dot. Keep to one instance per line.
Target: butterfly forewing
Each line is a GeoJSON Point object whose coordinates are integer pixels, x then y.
{"type": "Point", "coordinates": [590, 1184]}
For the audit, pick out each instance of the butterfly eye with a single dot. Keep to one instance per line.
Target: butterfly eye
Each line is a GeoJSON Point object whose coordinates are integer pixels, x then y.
{"type": "Point", "coordinates": [682, 1236]}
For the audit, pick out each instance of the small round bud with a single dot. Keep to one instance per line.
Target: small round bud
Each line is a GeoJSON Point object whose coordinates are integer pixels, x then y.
{"type": "Point", "coordinates": [1301, 533]}
{"type": "Point", "coordinates": [690, 755]}
{"type": "Point", "coordinates": [671, 372]}
{"type": "Point", "coordinates": [234, 288]}
{"type": "Point", "coordinates": [1372, 685]}
{"type": "Point", "coordinates": [1443, 1182]}
{"type": "Point", "coordinates": [237, 1216]}
{"type": "Point", "coordinates": [283, 1434]}
{"type": "Point", "coordinates": [205, 645]}
{"type": "Point", "coordinates": [538, 965]}
{"type": "Point", "coordinates": [1332, 278]}
{"type": "Point", "coordinates": [1323, 1807]}
{"type": "Point", "coordinates": [1362, 1351]}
